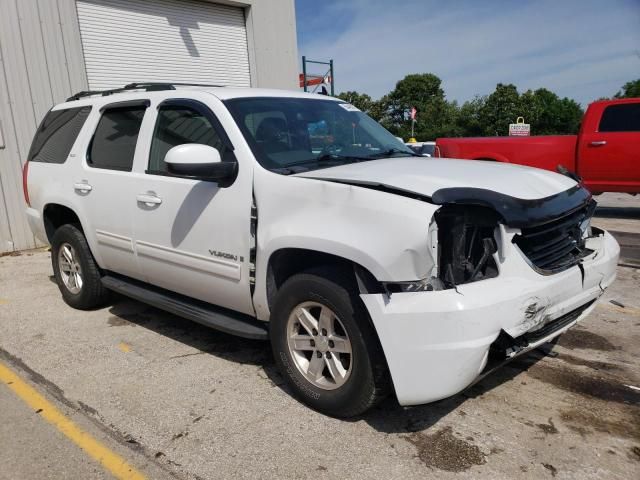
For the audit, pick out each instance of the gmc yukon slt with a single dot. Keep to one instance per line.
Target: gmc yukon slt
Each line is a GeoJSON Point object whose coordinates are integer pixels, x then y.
{"type": "Point", "coordinates": [297, 218]}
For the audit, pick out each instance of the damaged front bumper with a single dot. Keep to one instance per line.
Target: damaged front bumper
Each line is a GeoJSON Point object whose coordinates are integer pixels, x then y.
{"type": "Point", "coordinates": [438, 342]}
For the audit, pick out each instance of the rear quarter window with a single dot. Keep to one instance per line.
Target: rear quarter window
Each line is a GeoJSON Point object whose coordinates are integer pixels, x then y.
{"type": "Point", "coordinates": [56, 135]}
{"type": "Point", "coordinates": [621, 118]}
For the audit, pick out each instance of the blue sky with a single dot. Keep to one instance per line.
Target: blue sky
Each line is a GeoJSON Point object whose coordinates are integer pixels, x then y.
{"type": "Point", "coordinates": [580, 49]}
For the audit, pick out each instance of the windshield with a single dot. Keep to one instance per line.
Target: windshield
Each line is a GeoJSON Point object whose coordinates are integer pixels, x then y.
{"type": "Point", "coordinates": [290, 135]}
{"type": "Point", "coordinates": [428, 149]}
{"type": "Point", "coordinates": [424, 149]}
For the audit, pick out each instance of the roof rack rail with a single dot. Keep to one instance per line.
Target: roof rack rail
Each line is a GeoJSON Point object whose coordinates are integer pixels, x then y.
{"type": "Point", "coordinates": [147, 86]}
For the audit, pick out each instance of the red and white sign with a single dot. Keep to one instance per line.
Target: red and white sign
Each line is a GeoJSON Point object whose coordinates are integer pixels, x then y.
{"type": "Point", "coordinates": [519, 129]}
{"type": "Point", "coordinates": [314, 80]}
{"type": "Point", "coordinates": [413, 113]}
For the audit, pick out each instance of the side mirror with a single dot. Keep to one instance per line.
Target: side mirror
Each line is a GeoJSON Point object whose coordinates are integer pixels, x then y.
{"type": "Point", "coordinates": [198, 162]}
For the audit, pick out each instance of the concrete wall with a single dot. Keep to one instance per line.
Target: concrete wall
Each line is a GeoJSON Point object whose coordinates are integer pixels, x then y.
{"type": "Point", "coordinates": [273, 51]}
{"type": "Point", "coordinates": [42, 63]}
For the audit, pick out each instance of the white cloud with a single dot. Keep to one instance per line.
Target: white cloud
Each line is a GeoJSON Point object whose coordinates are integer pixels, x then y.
{"type": "Point", "coordinates": [580, 49]}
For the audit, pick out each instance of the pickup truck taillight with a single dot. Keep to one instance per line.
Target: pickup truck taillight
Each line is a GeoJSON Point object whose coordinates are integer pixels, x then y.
{"type": "Point", "coordinates": [25, 187]}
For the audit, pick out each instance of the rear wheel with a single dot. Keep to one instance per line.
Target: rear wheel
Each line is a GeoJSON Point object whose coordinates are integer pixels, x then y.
{"type": "Point", "coordinates": [325, 345]}
{"type": "Point", "coordinates": [75, 270]}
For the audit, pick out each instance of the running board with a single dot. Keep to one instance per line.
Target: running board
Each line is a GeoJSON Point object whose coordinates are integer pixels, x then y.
{"type": "Point", "coordinates": [221, 319]}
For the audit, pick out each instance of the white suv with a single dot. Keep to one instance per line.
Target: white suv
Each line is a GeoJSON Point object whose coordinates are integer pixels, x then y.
{"type": "Point", "coordinates": [296, 217]}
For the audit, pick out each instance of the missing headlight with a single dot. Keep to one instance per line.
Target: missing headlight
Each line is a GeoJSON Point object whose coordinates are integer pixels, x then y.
{"type": "Point", "coordinates": [466, 244]}
{"type": "Point", "coordinates": [426, 285]}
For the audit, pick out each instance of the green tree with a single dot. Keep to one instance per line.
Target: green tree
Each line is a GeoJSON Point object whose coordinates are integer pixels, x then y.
{"type": "Point", "coordinates": [488, 115]}
{"type": "Point", "coordinates": [435, 117]}
{"type": "Point", "coordinates": [549, 114]}
{"type": "Point", "coordinates": [360, 100]}
{"type": "Point", "coordinates": [378, 109]}
{"type": "Point", "coordinates": [500, 109]}
{"type": "Point", "coordinates": [468, 121]}
{"type": "Point", "coordinates": [629, 90]}
{"type": "Point", "coordinates": [373, 108]}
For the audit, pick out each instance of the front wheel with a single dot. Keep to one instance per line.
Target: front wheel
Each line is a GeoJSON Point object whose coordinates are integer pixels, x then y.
{"type": "Point", "coordinates": [325, 345]}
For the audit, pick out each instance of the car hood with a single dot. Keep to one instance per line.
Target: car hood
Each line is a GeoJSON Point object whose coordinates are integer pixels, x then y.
{"type": "Point", "coordinates": [425, 176]}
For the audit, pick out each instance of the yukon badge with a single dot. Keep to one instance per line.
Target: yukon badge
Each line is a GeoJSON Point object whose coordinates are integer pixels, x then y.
{"type": "Point", "coordinates": [228, 256]}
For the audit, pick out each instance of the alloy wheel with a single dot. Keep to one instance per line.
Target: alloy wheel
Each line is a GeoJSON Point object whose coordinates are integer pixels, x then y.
{"type": "Point", "coordinates": [319, 345]}
{"type": "Point", "coordinates": [69, 268]}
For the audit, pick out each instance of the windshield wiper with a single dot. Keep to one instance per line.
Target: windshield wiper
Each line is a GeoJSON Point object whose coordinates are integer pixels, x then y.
{"type": "Point", "coordinates": [326, 158]}
{"type": "Point", "coordinates": [337, 158]}
{"type": "Point", "coordinates": [391, 151]}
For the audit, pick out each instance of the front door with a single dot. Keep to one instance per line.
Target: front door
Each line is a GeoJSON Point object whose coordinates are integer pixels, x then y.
{"type": "Point", "coordinates": [192, 236]}
{"type": "Point", "coordinates": [610, 156]}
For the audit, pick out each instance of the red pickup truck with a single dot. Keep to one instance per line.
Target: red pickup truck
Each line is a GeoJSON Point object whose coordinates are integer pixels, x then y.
{"type": "Point", "coordinates": [605, 153]}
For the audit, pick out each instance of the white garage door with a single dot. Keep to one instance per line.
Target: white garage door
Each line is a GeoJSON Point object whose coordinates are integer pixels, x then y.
{"type": "Point", "coordinates": [163, 40]}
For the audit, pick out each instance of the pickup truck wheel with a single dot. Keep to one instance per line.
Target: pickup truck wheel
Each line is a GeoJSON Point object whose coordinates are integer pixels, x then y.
{"type": "Point", "coordinates": [324, 344]}
{"type": "Point", "coordinates": [75, 270]}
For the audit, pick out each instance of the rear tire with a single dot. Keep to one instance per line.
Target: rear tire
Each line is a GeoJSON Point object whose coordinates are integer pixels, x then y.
{"type": "Point", "coordinates": [75, 270]}
{"type": "Point", "coordinates": [325, 345]}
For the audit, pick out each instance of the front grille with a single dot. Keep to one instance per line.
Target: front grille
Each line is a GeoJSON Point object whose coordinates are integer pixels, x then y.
{"type": "Point", "coordinates": [556, 245]}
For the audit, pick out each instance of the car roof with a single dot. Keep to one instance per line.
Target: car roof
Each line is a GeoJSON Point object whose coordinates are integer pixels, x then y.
{"type": "Point", "coordinates": [223, 93]}
{"type": "Point", "coordinates": [614, 101]}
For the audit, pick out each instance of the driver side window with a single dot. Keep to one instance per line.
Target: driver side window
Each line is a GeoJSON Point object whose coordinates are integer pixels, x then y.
{"type": "Point", "coordinates": [175, 126]}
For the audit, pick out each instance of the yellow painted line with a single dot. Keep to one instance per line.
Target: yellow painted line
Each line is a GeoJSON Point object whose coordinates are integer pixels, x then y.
{"type": "Point", "coordinates": [3, 301]}
{"type": "Point", "coordinates": [110, 460]}
{"type": "Point", "coordinates": [626, 310]}
{"type": "Point", "coordinates": [124, 347]}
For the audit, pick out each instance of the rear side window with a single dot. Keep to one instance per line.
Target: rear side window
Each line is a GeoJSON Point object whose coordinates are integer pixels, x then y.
{"type": "Point", "coordinates": [621, 118]}
{"type": "Point", "coordinates": [57, 134]}
{"type": "Point", "coordinates": [114, 142]}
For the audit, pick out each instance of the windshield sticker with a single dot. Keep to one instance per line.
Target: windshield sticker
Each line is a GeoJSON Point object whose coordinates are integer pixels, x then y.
{"type": "Point", "coordinates": [349, 108]}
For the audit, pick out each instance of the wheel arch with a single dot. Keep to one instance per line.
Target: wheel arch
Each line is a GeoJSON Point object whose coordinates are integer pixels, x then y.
{"type": "Point", "coordinates": [286, 262]}
{"type": "Point", "coordinates": [55, 215]}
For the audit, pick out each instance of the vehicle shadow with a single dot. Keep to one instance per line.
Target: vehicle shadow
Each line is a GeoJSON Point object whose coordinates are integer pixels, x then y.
{"type": "Point", "coordinates": [390, 417]}
{"type": "Point", "coordinates": [387, 417]}
{"type": "Point", "coordinates": [126, 312]}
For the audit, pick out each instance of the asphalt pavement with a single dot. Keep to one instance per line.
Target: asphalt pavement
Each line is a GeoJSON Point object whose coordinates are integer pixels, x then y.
{"type": "Point", "coordinates": [177, 400]}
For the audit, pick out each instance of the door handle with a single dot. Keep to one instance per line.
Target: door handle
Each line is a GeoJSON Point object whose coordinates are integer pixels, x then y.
{"type": "Point", "coordinates": [598, 143]}
{"type": "Point", "coordinates": [82, 187]}
{"type": "Point", "coordinates": [148, 199]}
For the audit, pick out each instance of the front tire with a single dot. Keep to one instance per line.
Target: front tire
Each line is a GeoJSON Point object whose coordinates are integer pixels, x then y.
{"type": "Point", "coordinates": [75, 270]}
{"type": "Point", "coordinates": [324, 344]}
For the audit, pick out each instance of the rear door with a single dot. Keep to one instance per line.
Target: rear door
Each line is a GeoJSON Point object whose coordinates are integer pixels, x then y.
{"type": "Point", "coordinates": [106, 187]}
{"type": "Point", "coordinates": [609, 150]}
{"type": "Point", "coordinates": [192, 236]}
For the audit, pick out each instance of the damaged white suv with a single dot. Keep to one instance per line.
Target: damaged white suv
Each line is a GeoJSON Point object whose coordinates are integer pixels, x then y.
{"type": "Point", "coordinates": [296, 217]}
